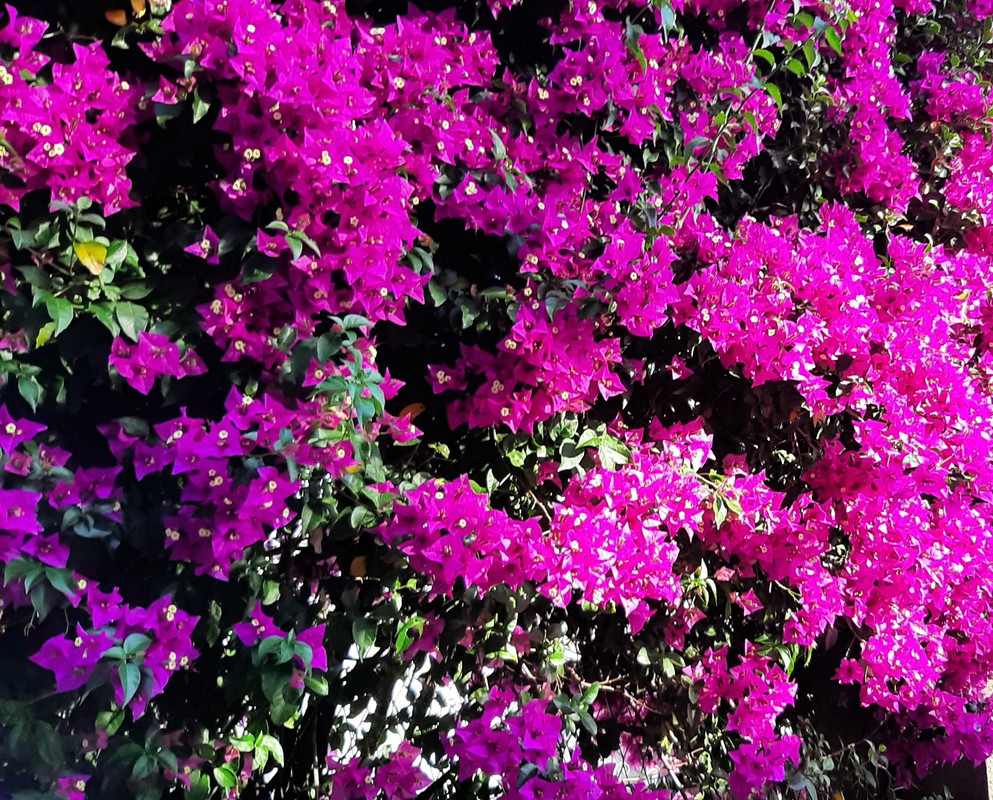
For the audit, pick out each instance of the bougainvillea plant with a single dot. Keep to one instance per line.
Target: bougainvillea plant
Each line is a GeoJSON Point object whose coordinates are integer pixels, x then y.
{"type": "Point", "coordinates": [578, 399]}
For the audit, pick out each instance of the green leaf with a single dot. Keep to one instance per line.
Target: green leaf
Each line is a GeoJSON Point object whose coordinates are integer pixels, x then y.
{"type": "Point", "coordinates": [667, 16]}
{"type": "Point", "coordinates": [105, 316]}
{"type": "Point", "coordinates": [258, 267]}
{"type": "Point", "coordinates": [200, 788]}
{"type": "Point", "coordinates": [133, 319]}
{"type": "Point", "coordinates": [588, 438]}
{"type": "Point", "coordinates": [364, 634]}
{"type": "Point", "coordinates": [130, 676]}
{"type": "Point", "coordinates": [775, 94]}
{"type": "Point", "coordinates": [136, 290]}
{"type": "Point", "coordinates": [589, 694]}
{"type": "Point", "coordinates": [720, 510]}
{"type": "Point", "coordinates": [271, 745]}
{"type": "Point", "coordinates": [225, 776]}
{"type": "Point", "coordinates": [143, 767]}
{"type": "Point", "coordinates": [30, 390]}
{"type": "Point", "coordinates": [517, 457]}
{"type": "Point", "coordinates": [693, 144]}
{"type": "Point", "coordinates": [48, 745]}
{"type": "Point", "coordinates": [117, 252]}
{"type": "Point", "coordinates": [613, 453]}
{"type": "Point", "coordinates": [16, 569]}
{"type": "Point", "coordinates": [802, 782]}
{"type": "Point", "coordinates": [318, 684]}
{"type": "Point", "coordinates": [200, 106]}
{"type": "Point", "coordinates": [304, 652]}
{"type": "Point", "coordinates": [327, 346]}
{"type": "Point", "coordinates": [136, 643]}
{"type": "Point", "coordinates": [61, 580]}
{"type": "Point", "coordinates": [587, 721]}
{"type": "Point", "coordinates": [570, 455]}
{"type": "Point", "coordinates": [354, 321]}
{"type": "Point", "coordinates": [243, 744]}
{"type": "Point", "coordinates": [438, 293]}
{"type": "Point", "coordinates": [361, 517]}
{"type": "Point", "coordinates": [285, 652]}
{"type": "Point", "coordinates": [168, 759]}
{"type": "Point", "coordinates": [110, 720]}
{"type": "Point", "coordinates": [270, 644]}
{"type": "Point", "coordinates": [273, 681]}
{"type": "Point", "coordinates": [303, 237]}
{"type": "Point", "coordinates": [281, 710]}
{"type": "Point", "coordinates": [404, 638]}
{"type": "Point", "coordinates": [60, 311]}
{"type": "Point", "coordinates": [166, 111]}
{"type": "Point", "coordinates": [833, 39]}
{"type": "Point", "coordinates": [44, 334]}
{"type": "Point", "coordinates": [766, 56]}
{"type": "Point", "coordinates": [42, 600]}
{"type": "Point", "coordinates": [733, 505]}
{"type": "Point", "coordinates": [31, 577]}
{"type": "Point", "coordinates": [796, 67]}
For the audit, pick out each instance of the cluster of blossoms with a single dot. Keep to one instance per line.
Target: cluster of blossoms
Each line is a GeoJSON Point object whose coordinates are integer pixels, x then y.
{"type": "Point", "coordinates": [65, 133]}
{"type": "Point", "coordinates": [613, 536]}
{"type": "Point", "coordinates": [157, 637]}
{"type": "Point", "coordinates": [758, 692]}
{"type": "Point", "coordinates": [226, 444]}
{"type": "Point", "coordinates": [510, 735]}
{"type": "Point", "coordinates": [546, 367]}
{"type": "Point", "coordinates": [153, 355]}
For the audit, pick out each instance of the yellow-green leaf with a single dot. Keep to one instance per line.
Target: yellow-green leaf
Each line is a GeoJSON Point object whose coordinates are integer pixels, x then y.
{"type": "Point", "coordinates": [91, 255]}
{"type": "Point", "coordinates": [44, 334]}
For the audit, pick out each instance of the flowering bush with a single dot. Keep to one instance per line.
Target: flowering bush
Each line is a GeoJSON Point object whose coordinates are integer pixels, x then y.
{"type": "Point", "coordinates": [526, 399]}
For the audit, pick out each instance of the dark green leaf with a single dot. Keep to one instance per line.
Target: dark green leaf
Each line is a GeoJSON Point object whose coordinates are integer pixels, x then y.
{"type": "Point", "coordinates": [525, 773]}
{"type": "Point", "coordinates": [364, 634]}
{"type": "Point", "coordinates": [105, 316]}
{"type": "Point", "coordinates": [130, 676]}
{"type": "Point", "coordinates": [133, 318]}
{"type": "Point", "coordinates": [136, 643]}
{"type": "Point", "coordinates": [200, 106]}
{"type": "Point", "coordinates": [30, 390]}
{"type": "Point", "coordinates": [60, 312]}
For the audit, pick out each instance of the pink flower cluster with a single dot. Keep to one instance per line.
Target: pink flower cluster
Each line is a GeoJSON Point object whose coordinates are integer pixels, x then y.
{"type": "Point", "coordinates": [601, 176]}
{"type": "Point", "coordinates": [509, 735]}
{"type": "Point", "coordinates": [66, 134]}
{"type": "Point", "coordinates": [546, 365]}
{"type": "Point", "coordinates": [152, 356]}
{"type": "Point", "coordinates": [757, 691]}
{"type": "Point", "coordinates": [449, 532]}
{"type": "Point", "coordinates": [161, 635]}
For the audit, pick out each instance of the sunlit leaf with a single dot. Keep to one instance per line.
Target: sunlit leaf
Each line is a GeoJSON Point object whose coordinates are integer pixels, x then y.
{"type": "Point", "coordinates": [91, 255]}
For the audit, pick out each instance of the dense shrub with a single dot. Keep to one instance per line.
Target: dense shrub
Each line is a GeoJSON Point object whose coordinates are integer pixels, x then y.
{"type": "Point", "coordinates": [511, 399]}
